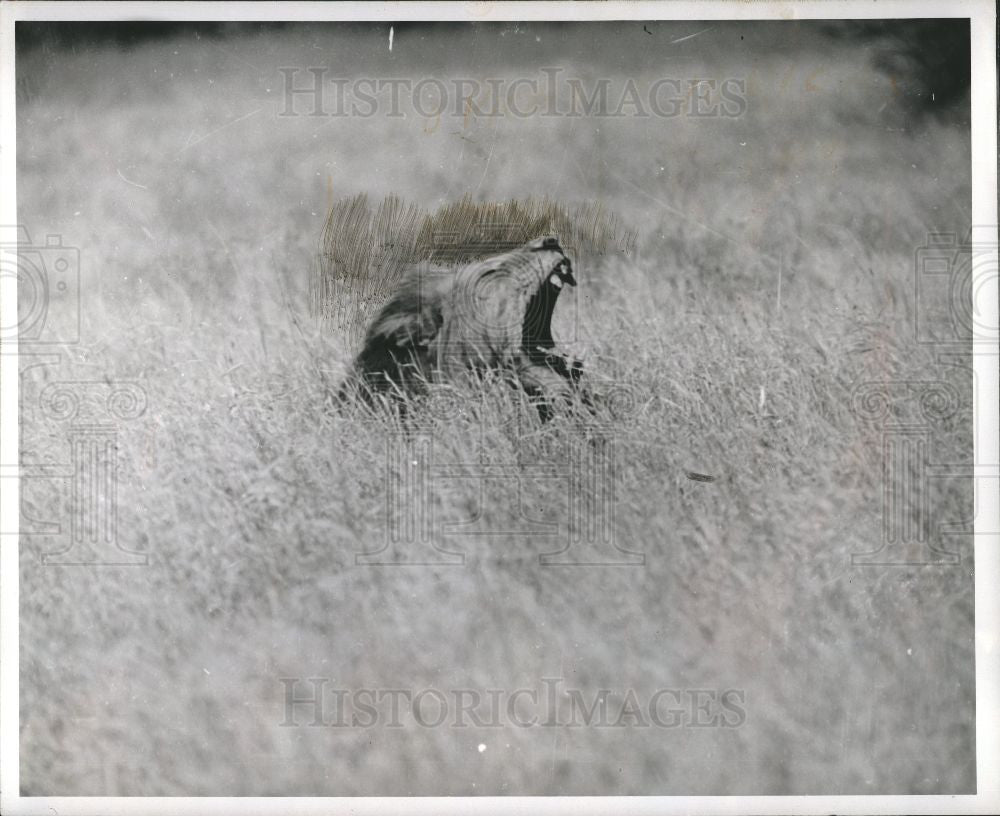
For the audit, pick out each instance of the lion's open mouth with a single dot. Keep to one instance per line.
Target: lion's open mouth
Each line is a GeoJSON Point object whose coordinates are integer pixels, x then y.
{"type": "Point", "coordinates": [536, 328]}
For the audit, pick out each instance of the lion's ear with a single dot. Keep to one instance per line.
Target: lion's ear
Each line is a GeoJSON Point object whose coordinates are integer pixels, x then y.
{"type": "Point", "coordinates": [411, 319]}
{"type": "Point", "coordinates": [549, 242]}
{"type": "Point", "coordinates": [410, 323]}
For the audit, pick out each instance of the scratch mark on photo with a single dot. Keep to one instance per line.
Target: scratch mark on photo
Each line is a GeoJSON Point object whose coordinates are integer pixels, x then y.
{"type": "Point", "coordinates": [690, 36]}
{"type": "Point", "coordinates": [200, 139]}
{"type": "Point", "coordinates": [128, 181]}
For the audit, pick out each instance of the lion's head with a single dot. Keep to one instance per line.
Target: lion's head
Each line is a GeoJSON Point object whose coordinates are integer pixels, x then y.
{"type": "Point", "coordinates": [490, 314]}
{"type": "Point", "coordinates": [500, 309]}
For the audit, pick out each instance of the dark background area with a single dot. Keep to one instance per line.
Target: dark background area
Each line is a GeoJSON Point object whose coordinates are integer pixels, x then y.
{"type": "Point", "coordinates": [927, 58]}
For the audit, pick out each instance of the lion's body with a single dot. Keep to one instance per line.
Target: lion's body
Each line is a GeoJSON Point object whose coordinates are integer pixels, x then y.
{"type": "Point", "coordinates": [493, 314]}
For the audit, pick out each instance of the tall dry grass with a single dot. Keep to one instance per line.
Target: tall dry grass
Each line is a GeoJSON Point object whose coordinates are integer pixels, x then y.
{"type": "Point", "coordinates": [366, 250]}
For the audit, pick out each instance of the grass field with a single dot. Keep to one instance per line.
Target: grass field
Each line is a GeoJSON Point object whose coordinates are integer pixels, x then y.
{"type": "Point", "coordinates": [773, 274]}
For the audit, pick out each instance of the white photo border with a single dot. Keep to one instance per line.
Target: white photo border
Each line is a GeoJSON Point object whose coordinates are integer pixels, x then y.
{"type": "Point", "coordinates": [982, 15]}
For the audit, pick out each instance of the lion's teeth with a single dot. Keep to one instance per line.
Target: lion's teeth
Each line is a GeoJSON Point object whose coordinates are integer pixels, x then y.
{"type": "Point", "coordinates": [556, 281]}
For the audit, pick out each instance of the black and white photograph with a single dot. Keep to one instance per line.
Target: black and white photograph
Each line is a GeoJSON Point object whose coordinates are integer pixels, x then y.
{"type": "Point", "coordinates": [487, 401]}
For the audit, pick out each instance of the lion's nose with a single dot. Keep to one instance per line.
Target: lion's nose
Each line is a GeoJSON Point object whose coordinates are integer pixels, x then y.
{"type": "Point", "coordinates": [566, 272]}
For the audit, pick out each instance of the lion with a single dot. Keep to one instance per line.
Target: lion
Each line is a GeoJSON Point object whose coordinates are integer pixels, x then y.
{"type": "Point", "coordinates": [494, 314]}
